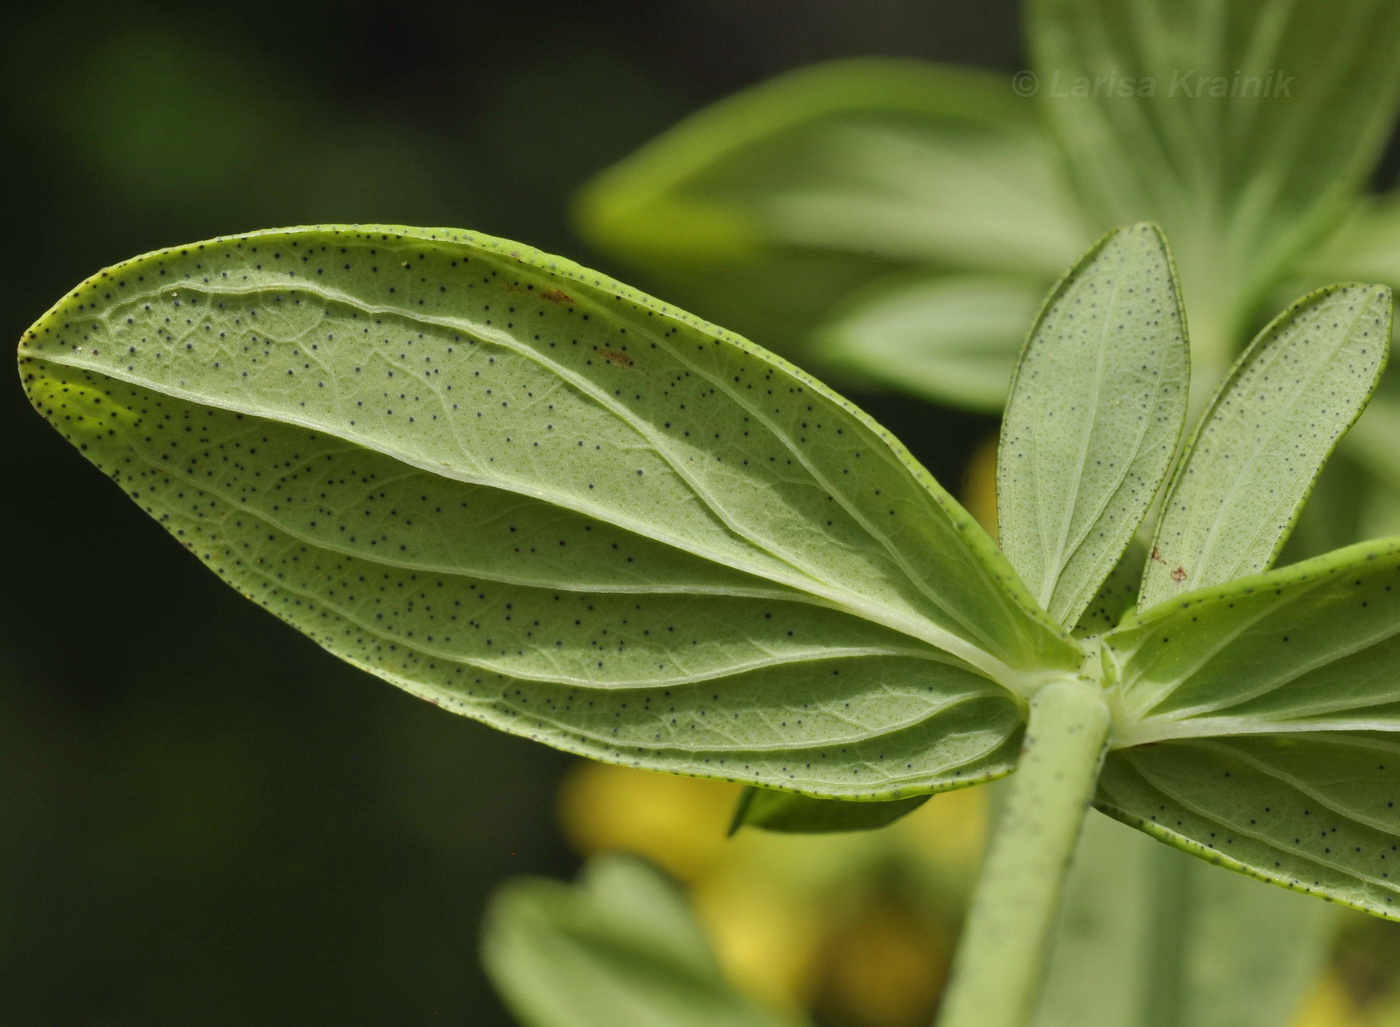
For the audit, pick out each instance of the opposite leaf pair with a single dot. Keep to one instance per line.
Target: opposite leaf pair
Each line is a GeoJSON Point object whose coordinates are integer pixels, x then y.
{"type": "Point", "coordinates": [1250, 679]}
{"type": "Point", "coordinates": [534, 496]}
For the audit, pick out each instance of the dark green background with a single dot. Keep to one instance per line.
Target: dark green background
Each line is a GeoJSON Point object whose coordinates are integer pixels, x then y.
{"type": "Point", "coordinates": [203, 818]}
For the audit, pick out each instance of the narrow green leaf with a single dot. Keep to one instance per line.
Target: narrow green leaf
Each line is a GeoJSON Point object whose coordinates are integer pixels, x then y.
{"type": "Point", "coordinates": [1151, 937]}
{"type": "Point", "coordinates": [1274, 705]}
{"type": "Point", "coordinates": [1314, 812]}
{"type": "Point", "coordinates": [522, 491]}
{"type": "Point", "coordinates": [948, 338]}
{"type": "Point", "coordinates": [1372, 443]}
{"type": "Point", "coordinates": [802, 814]}
{"type": "Point", "coordinates": [1094, 416]}
{"type": "Point", "coordinates": [1264, 438]}
{"type": "Point", "coordinates": [765, 208]}
{"type": "Point", "coordinates": [1245, 128]}
{"type": "Point", "coordinates": [617, 949]}
{"type": "Point", "coordinates": [1310, 647]}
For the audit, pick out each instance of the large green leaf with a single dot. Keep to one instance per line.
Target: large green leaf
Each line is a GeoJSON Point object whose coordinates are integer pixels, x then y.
{"type": "Point", "coordinates": [948, 338]}
{"type": "Point", "coordinates": [1150, 937]}
{"type": "Point", "coordinates": [1094, 416]}
{"type": "Point", "coordinates": [1263, 440]}
{"type": "Point", "coordinates": [1245, 127]}
{"type": "Point", "coordinates": [764, 209]}
{"type": "Point", "coordinates": [617, 949]}
{"type": "Point", "coordinates": [1311, 811]}
{"type": "Point", "coordinates": [1274, 705]}
{"type": "Point", "coordinates": [527, 493]}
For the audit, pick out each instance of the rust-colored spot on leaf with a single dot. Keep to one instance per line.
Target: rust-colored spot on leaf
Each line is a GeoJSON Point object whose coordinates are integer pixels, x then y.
{"type": "Point", "coordinates": [1179, 575]}
{"type": "Point", "coordinates": [556, 296]}
{"type": "Point", "coordinates": [1157, 555]}
{"type": "Point", "coordinates": [616, 356]}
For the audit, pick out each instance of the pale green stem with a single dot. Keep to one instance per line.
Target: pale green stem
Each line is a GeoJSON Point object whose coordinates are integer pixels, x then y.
{"type": "Point", "coordinates": [1002, 953]}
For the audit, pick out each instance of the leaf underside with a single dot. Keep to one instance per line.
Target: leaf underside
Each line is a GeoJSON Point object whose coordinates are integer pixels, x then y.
{"type": "Point", "coordinates": [1266, 714]}
{"type": "Point", "coordinates": [1264, 438]}
{"type": "Point", "coordinates": [533, 496]}
{"type": "Point", "coordinates": [1095, 412]}
{"type": "Point", "coordinates": [1313, 812]}
{"type": "Point", "coordinates": [1118, 594]}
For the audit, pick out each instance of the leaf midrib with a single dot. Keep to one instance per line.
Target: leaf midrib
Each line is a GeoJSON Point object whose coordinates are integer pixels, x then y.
{"type": "Point", "coordinates": [501, 667]}
{"type": "Point", "coordinates": [492, 336]}
{"type": "Point", "coordinates": [978, 660]}
{"type": "Point", "coordinates": [1274, 350]}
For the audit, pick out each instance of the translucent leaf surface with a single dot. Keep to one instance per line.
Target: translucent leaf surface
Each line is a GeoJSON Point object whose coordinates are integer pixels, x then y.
{"type": "Point", "coordinates": [949, 338]}
{"type": "Point", "coordinates": [533, 496]}
{"type": "Point", "coordinates": [1264, 438]}
{"type": "Point", "coordinates": [765, 208]}
{"type": "Point", "coordinates": [1094, 417]}
{"type": "Point", "coordinates": [1275, 701]}
{"type": "Point", "coordinates": [802, 814]}
{"type": "Point", "coordinates": [1151, 937]}
{"type": "Point", "coordinates": [1308, 647]}
{"type": "Point", "coordinates": [1244, 127]}
{"type": "Point", "coordinates": [1312, 811]}
{"type": "Point", "coordinates": [618, 949]}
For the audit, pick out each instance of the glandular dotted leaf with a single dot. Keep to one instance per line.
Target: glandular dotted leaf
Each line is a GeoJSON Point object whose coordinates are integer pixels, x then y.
{"type": "Point", "coordinates": [1313, 811]}
{"type": "Point", "coordinates": [1095, 412]}
{"type": "Point", "coordinates": [531, 495]}
{"type": "Point", "coordinates": [1259, 725]}
{"type": "Point", "coordinates": [1263, 440]}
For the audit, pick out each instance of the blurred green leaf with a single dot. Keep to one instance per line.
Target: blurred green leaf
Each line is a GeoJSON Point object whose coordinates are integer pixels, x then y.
{"type": "Point", "coordinates": [765, 208]}
{"type": "Point", "coordinates": [803, 814]}
{"type": "Point", "coordinates": [1093, 420]}
{"type": "Point", "coordinates": [1372, 499]}
{"type": "Point", "coordinates": [612, 578]}
{"type": "Point", "coordinates": [1245, 129]}
{"type": "Point", "coordinates": [1365, 247]}
{"type": "Point", "coordinates": [951, 339]}
{"type": "Point", "coordinates": [1150, 937]}
{"type": "Point", "coordinates": [1338, 511]}
{"type": "Point", "coordinates": [617, 949]}
{"type": "Point", "coordinates": [1264, 438]}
